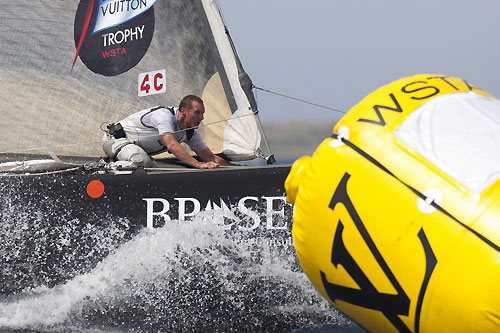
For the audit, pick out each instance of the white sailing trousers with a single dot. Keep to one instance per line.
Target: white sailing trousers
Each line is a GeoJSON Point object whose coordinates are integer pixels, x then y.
{"type": "Point", "coordinates": [125, 150]}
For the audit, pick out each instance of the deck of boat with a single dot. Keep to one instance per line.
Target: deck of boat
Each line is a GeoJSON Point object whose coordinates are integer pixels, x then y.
{"type": "Point", "coordinates": [42, 164]}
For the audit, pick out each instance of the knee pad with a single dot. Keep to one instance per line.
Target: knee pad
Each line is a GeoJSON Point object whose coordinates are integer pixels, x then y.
{"type": "Point", "coordinates": [112, 147]}
{"type": "Point", "coordinates": [134, 154]}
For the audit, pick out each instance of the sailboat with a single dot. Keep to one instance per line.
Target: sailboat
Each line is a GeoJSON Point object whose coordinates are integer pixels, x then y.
{"type": "Point", "coordinates": [70, 68]}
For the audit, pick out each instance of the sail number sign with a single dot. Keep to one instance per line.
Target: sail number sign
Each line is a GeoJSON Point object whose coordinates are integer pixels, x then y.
{"type": "Point", "coordinates": [152, 83]}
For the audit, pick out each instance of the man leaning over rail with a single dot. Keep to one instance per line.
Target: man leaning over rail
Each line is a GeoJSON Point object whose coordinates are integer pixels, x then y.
{"type": "Point", "coordinates": [158, 129]}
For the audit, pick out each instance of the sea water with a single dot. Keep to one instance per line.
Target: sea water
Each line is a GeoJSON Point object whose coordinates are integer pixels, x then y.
{"type": "Point", "coordinates": [193, 276]}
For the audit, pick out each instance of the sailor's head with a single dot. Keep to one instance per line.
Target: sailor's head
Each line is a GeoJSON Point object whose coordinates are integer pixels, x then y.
{"type": "Point", "coordinates": [191, 111]}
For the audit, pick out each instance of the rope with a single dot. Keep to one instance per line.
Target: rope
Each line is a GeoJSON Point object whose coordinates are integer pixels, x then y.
{"type": "Point", "coordinates": [201, 126]}
{"type": "Point", "coordinates": [300, 100]}
{"type": "Point", "coordinates": [26, 174]}
{"type": "Point", "coordinates": [99, 142]}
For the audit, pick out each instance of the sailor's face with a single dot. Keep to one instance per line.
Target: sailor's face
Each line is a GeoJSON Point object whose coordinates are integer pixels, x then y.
{"type": "Point", "coordinates": [194, 115]}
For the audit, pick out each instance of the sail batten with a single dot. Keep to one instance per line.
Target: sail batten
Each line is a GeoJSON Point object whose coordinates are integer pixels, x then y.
{"type": "Point", "coordinates": [48, 102]}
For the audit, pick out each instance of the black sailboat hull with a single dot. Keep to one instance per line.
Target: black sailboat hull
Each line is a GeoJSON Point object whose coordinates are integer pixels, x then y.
{"type": "Point", "coordinates": [56, 227]}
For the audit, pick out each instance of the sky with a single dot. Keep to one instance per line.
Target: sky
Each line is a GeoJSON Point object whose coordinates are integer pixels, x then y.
{"type": "Point", "coordinates": [335, 53]}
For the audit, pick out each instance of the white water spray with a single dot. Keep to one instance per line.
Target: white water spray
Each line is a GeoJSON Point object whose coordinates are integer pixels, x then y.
{"type": "Point", "coordinates": [196, 257]}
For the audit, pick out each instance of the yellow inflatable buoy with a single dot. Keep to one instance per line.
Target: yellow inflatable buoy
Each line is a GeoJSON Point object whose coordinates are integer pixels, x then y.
{"type": "Point", "coordinates": [397, 215]}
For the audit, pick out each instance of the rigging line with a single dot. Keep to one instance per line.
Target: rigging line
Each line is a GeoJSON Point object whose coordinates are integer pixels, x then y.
{"type": "Point", "coordinates": [217, 5]}
{"type": "Point", "coordinates": [300, 100]}
{"type": "Point", "coordinates": [219, 9]}
{"type": "Point", "coordinates": [226, 30]}
{"type": "Point", "coordinates": [100, 141]}
{"type": "Point", "coordinates": [24, 174]}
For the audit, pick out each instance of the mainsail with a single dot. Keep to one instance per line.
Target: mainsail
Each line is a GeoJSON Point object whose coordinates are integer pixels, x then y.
{"type": "Point", "coordinates": [67, 67]}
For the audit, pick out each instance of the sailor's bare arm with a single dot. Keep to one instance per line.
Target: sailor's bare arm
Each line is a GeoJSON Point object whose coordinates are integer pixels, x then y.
{"type": "Point", "coordinates": [207, 156]}
{"type": "Point", "coordinates": [175, 148]}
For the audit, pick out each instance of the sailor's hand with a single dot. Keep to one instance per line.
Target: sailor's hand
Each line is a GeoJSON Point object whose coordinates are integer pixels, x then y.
{"type": "Point", "coordinates": [209, 165]}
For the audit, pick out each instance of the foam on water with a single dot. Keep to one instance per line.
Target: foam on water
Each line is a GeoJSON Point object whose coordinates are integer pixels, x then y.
{"type": "Point", "coordinates": [189, 276]}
